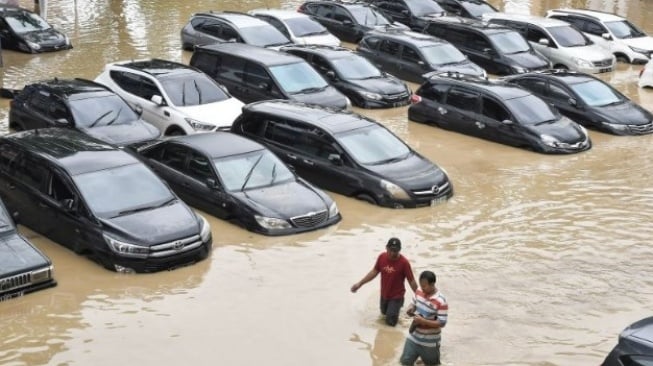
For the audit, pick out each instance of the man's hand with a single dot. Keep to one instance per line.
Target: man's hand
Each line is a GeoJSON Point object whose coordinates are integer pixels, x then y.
{"type": "Point", "coordinates": [410, 311]}
{"type": "Point", "coordinates": [355, 287]}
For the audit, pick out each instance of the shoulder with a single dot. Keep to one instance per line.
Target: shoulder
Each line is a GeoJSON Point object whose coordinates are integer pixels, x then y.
{"type": "Point", "coordinates": [439, 299]}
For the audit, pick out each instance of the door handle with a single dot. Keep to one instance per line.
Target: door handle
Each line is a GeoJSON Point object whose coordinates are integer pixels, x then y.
{"type": "Point", "coordinates": [308, 162]}
{"type": "Point", "coordinates": [166, 113]}
{"type": "Point", "coordinates": [12, 186]}
{"type": "Point", "coordinates": [442, 110]}
{"type": "Point", "coordinates": [291, 156]}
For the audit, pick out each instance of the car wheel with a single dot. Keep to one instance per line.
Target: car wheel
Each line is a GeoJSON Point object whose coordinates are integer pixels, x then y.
{"type": "Point", "coordinates": [367, 198]}
{"type": "Point", "coordinates": [622, 58]}
{"type": "Point", "coordinates": [561, 67]}
{"type": "Point", "coordinates": [175, 131]}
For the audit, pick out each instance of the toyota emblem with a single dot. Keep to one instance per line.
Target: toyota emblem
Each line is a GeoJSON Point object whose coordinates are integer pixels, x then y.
{"type": "Point", "coordinates": [435, 189]}
{"type": "Point", "coordinates": [178, 245]}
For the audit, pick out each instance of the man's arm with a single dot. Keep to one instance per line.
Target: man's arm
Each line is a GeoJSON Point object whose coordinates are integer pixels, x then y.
{"type": "Point", "coordinates": [413, 284]}
{"type": "Point", "coordinates": [427, 323]}
{"type": "Point", "coordinates": [368, 277]}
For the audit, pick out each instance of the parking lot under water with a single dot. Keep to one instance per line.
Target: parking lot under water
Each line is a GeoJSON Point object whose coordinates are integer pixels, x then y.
{"type": "Point", "coordinates": [543, 259]}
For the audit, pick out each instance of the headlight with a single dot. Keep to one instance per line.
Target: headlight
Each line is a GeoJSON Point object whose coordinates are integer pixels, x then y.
{"type": "Point", "coordinates": [549, 140]}
{"type": "Point", "coordinates": [368, 95]}
{"type": "Point", "coordinates": [126, 249]}
{"type": "Point", "coordinates": [205, 231]}
{"type": "Point", "coordinates": [34, 46]}
{"type": "Point", "coordinates": [272, 223]}
{"type": "Point", "coordinates": [348, 104]}
{"type": "Point", "coordinates": [616, 126]}
{"type": "Point", "coordinates": [42, 274]}
{"type": "Point", "coordinates": [66, 39]}
{"type": "Point", "coordinates": [582, 63]}
{"type": "Point", "coordinates": [333, 210]}
{"type": "Point", "coordinates": [199, 126]}
{"type": "Point", "coordinates": [519, 70]}
{"type": "Point", "coordinates": [394, 190]}
{"type": "Point", "coordinates": [640, 50]}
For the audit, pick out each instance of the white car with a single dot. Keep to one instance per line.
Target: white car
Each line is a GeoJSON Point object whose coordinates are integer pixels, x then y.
{"type": "Point", "coordinates": [646, 76]}
{"type": "Point", "coordinates": [620, 36]}
{"type": "Point", "coordinates": [298, 27]}
{"type": "Point", "coordinates": [178, 99]}
{"type": "Point", "coordinates": [564, 45]}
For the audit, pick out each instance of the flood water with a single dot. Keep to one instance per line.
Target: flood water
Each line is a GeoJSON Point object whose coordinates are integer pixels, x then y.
{"type": "Point", "coordinates": [543, 259]}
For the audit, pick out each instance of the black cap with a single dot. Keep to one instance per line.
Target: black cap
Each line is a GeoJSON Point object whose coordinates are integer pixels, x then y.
{"type": "Point", "coordinates": [394, 244]}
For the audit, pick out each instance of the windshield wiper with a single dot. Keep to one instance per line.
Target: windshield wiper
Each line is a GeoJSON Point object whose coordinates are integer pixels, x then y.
{"type": "Point", "coordinates": [612, 103]}
{"type": "Point", "coordinates": [114, 118]}
{"type": "Point", "coordinates": [314, 33]}
{"type": "Point", "coordinates": [249, 174]}
{"type": "Point", "coordinates": [199, 92]}
{"type": "Point", "coordinates": [99, 119]}
{"type": "Point", "coordinates": [310, 90]}
{"type": "Point", "coordinates": [144, 208]}
{"type": "Point", "coordinates": [546, 122]}
{"type": "Point", "coordinates": [274, 173]}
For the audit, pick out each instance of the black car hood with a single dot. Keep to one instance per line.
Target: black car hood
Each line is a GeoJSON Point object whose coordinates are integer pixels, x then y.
{"type": "Point", "coordinates": [564, 130]}
{"type": "Point", "coordinates": [156, 226]}
{"type": "Point", "coordinates": [382, 85]}
{"type": "Point", "coordinates": [641, 330]}
{"type": "Point", "coordinates": [46, 37]}
{"type": "Point", "coordinates": [627, 113]}
{"type": "Point", "coordinates": [329, 97]}
{"type": "Point", "coordinates": [466, 67]}
{"type": "Point", "coordinates": [528, 60]}
{"type": "Point", "coordinates": [413, 172]}
{"type": "Point", "coordinates": [124, 134]}
{"type": "Point", "coordinates": [283, 200]}
{"type": "Point", "coordinates": [17, 256]}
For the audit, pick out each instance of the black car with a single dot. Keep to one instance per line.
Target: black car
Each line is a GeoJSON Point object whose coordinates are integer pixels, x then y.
{"type": "Point", "coordinates": [413, 13]}
{"type": "Point", "coordinates": [81, 104]}
{"type": "Point", "coordinates": [99, 201]}
{"type": "Point", "coordinates": [23, 268]}
{"type": "Point", "coordinates": [348, 21]}
{"type": "Point", "coordinates": [239, 180]}
{"type": "Point", "coordinates": [499, 50]}
{"type": "Point", "coordinates": [467, 8]}
{"type": "Point", "coordinates": [345, 153]}
{"type": "Point", "coordinates": [22, 30]}
{"type": "Point", "coordinates": [496, 111]}
{"type": "Point", "coordinates": [364, 84]}
{"type": "Point", "coordinates": [588, 100]}
{"type": "Point", "coordinates": [635, 347]}
{"type": "Point", "coordinates": [409, 55]}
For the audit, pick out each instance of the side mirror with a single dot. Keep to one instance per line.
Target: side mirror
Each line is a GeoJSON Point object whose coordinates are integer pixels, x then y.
{"type": "Point", "coordinates": [606, 36]}
{"type": "Point", "coordinates": [573, 102]}
{"type": "Point", "coordinates": [16, 217]}
{"type": "Point", "coordinates": [61, 122]}
{"type": "Point", "coordinates": [331, 74]}
{"type": "Point", "coordinates": [347, 22]}
{"type": "Point", "coordinates": [157, 99]}
{"type": "Point", "coordinates": [543, 41]}
{"type": "Point", "coordinates": [405, 12]}
{"type": "Point", "coordinates": [507, 122]}
{"type": "Point", "coordinates": [335, 159]}
{"type": "Point", "coordinates": [211, 183]}
{"type": "Point", "coordinates": [67, 204]}
{"type": "Point", "coordinates": [138, 109]}
{"type": "Point", "coordinates": [263, 86]}
{"type": "Point", "coordinates": [489, 51]}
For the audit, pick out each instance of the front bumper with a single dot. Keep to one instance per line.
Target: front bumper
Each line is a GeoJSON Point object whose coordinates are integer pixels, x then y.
{"type": "Point", "coordinates": [155, 264]}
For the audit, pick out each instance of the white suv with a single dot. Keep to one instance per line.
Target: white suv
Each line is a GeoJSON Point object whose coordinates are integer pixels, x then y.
{"type": "Point", "coordinates": [176, 98]}
{"type": "Point", "coordinates": [564, 45]}
{"type": "Point", "coordinates": [620, 36]}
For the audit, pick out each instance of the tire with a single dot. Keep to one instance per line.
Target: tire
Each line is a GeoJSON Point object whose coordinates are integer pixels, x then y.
{"type": "Point", "coordinates": [561, 67]}
{"type": "Point", "coordinates": [622, 58]}
{"type": "Point", "coordinates": [175, 131]}
{"type": "Point", "coordinates": [367, 198]}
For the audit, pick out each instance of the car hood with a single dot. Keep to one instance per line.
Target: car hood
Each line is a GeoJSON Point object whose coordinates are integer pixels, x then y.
{"type": "Point", "coordinates": [125, 134]}
{"type": "Point", "coordinates": [591, 52]}
{"type": "Point", "coordinates": [414, 172]}
{"type": "Point", "coordinates": [155, 226]}
{"type": "Point", "coordinates": [329, 97]}
{"type": "Point", "coordinates": [382, 85]}
{"type": "Point", "coordinates": [645, 43]}
{"type": "Point", "coordinates": [44, 37]}
{"type": "Point", "coordinates": [563, 130]}
{"type": "Point", "coordinates": [528, 60]}
{"type": "Point", "coordinates": [627, 113]}
{"type": "Point", "coordinates": [283, 200]}
{"type": "Point", "coordinates": [642, 330]}
{"type": "Point", "coordinates": [466, 67]}
{"type": "Point", "coordinates": [221, 114]}
{"type": "Point", "coordinates": [16, 256]}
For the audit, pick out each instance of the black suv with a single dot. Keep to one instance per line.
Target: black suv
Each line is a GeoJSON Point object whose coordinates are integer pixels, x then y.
{"type": "Point", "coordinates": [467, 8]}
{"type": "Point", "coordinates": [413, 13]}
{"type": "Point", "coordinates": [348, 21]}
{"type": "Point", "coordinates": [635, 345]}
{"type": "Point", "coordinates": [345, 153]}
{"type": "Point", "coordinates": [355, 76]}
{"type": "Point", "coordinates": [81, 104]}
{"type": "Point", "coordinates": [409, 55]}
{"type": "Point", "coordinates": [496, 111]}
{"type": "Point", "coordinates": [98, 200]}
{"type": "Point", "coordinates": [253, 73]}
{"type": "Point", "coordinates": [499, 50]}
{"type": "Point", "coordinates": [23, 30]}
{"type": "Point", "coordinates": [23, 268]}
{"type": "Point", "coordinates": [588, 100]}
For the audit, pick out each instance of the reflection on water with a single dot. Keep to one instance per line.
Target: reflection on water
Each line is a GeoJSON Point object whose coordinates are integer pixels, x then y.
{"type": "Point", "coordinates": [544, 259]}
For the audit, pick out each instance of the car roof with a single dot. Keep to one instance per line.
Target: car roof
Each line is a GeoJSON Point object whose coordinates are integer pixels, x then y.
{"type": "Point", "coordinates": [157, 67]}
{"type": "Point", "coordinates": [72, 150]}
{"type": "Point", "coordinates": [70, 87]}
{"type": "Point", "coordinates": [328, 52]}
{"type": "Point", "coordinates": [533, 19]}
{"type": "Point", "coordinates": [218, 144]}
{"type": "Point", "coordinates": [566, 76]}
{"type": "Point", "coordinates": [240, 20]}
{"type": "Point", "coordinates": [279, 13]}
{"type": "Point", "coordinates": [354, 3]}
{"type": "Point", "coordinates": [12, 9]}
{"type": "Point", "coordinates": [325, 118]}
{"type": "Point", "coordinates": [599, 15]}
{"type": "Point", "coordinates": [485, 27]}
{"type": "Point", "coordinates": [414, 38]}
{"type": "Point", "coordinates": [266, 56]}
{"type": "Point", "coordinates": [500, 89]}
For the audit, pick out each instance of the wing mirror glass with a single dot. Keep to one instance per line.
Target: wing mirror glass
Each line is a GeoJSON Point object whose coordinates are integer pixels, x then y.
{"type": "Point", "coordinates": [157, 99]}
{"type": "Point", "coordinates": [335, 159]}
{"type": "Point", "coordinates": [543, 41]}
{"type": "Point", "coordinates": [61, 122]}
{"type": "Point", "coordinates": [606, 36]}
{"type": "Point", "coordinates": [211, 183]}
{"type": "Point", "coordinates": [347, 22]}
{"type": "Point", "coordinates": [138, 109]}
{"type": "Point", "coordinates": [573, 102]}
{"type": "Point", "coordinates": [67, 204]}
{"type": "Point", "coordinates": [263, 86]}
{"type": "Point", "coordinates": [331, 74]}
{"type": "Point", "coordinates": [507, 122]}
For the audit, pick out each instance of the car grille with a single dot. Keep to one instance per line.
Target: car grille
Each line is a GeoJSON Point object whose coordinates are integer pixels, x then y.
{"type": "Point", "coordinates": [574, 146]}
{"type": "Point", "coordinates": [641, 129]}
{"type": "Point", "coordinates": [396, 97]}
{"type": "Point", "coordinates": [14, 282]}
{"type": "Point", "coordinates": [433, 191]}
{"type": "Point", "coordinates": [311, 219]}
{"type": "Point", "coordinates": [603, 63]}
{"type": "Point", "coordinates": [175, 247]}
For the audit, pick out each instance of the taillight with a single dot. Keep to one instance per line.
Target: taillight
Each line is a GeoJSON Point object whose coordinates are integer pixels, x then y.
{"type": "Point", "coordinates": [414, 99]}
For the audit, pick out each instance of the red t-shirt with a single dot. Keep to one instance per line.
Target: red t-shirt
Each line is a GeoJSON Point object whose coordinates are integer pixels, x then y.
{"type": "Point", "coordinates": [393, 274]}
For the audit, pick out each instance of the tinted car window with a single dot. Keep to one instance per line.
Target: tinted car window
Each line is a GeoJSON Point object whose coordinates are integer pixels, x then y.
{"type": "Point", "coordinates": [567, 36]}
{"type": "Point", "coordinates": [442, 54]}
{"type": "Point", "coordinates": [411, 55]}
{"type": "Point", "coordinates": [192, 89]}
{"type": "Point", "coordinates": [283, 133]}
{"type": "Point", "coordinates": [228, 33]}
{"type": "Point", "coordinates": [174, 156]}
{"type": "Point", "coordinates": [373, 145]}
{"type": "Point", "coordinates": [294, 78]}
{"type": "Point", "coordinates": [434, 92]}
{"type": "Point", "coordinates": [530, 110]}
{"type": "Point", "coordinates": [595, 93]}
{"type": "Point", "coordinates": [477, 42]}
{"type": "Point", "coordinates": [535, 34]}
{"type": "Point", "coordinates": [355, 67]}
{"type": "Point", "coordinates": [366, 16]}
{"type": "Point", "coordinates": [256, 74]}
{"type": "Point", "coordinates": [594, 28]}
{"type": "Point", "coordinates": [558, 92]}
{"type": "Point", "coordinates": [58, 110]}
{"type": "Point", "coordinates": [127, 81]}
{"type": "Point", "coordinates": [39, 102]}
{"type": "Point", "coordinates": [57, 189]}
{"type": "Point", "coordinates": [199, 167]}
{"type": "Point", "coordinates": [31, 172]}
{"type": "Point", "coordinates": [534, 85]}
{"type": "Point", "coordinates": [372, 42]}
{"type": "Point", "coordinates": [231, 68]}
{"type": "Point", "coordinates": [303, 27]}
{"type": "Point", "coordinates": [322, 10]}
{"type": "Point", "coordinates": [104, 110]}
{"type": "Point", "coordinates": [205, 62]}
{"type": "Point", "coordinates": [494, 110]}
{"type": "Point", "coordinates": [341, 14]}
{"type": "Point", "coordinates": [624, 29]}
{"type": "Point", "coordinates": [252, 170]}
{"type": "Point", "coordinates": [389, 47]}
{"type": "Point", "coordinates": [463, 100]}
{"type": "Point", "coordinates": [509, 42]}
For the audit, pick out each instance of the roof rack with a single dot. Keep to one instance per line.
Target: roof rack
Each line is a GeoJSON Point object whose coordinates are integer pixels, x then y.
{"type": "Point", "coordinates": [455, 75]}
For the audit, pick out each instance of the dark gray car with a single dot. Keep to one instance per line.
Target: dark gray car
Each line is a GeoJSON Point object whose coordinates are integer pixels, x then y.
{"type": "Point", "coordinates": [635, 347]}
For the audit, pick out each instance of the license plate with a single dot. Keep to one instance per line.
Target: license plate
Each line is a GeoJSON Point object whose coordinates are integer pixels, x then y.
{"type": "Point", "coordinates": [438, 201]}
{"type": "Point", "coordinates": [605, 69]}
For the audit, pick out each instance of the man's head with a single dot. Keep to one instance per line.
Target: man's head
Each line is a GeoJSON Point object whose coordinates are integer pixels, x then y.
{"type": "Point", "coordinates": [393, 247]}
{"type": "Point", "coordinates": [427, 281]}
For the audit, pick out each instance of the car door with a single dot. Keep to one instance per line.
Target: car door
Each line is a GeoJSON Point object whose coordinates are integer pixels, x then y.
{"type": "Point", "coordinates": [495, 123]}
{"type": "Point", "coordinates": [258, 84]}
{"type": "Point", "coordinates": [229, 71]}
{"type": "Point", "coordinates": [203, 189]}
{"type": "Point", "coordinates": [461, 111]}
{"type": "Point", "coordinates": [534, 34]}
{"type": "Point", "coordinates": [138, 90]}
{"type": "Point", "coordinates": [480, 51]}
{"type": "Point", "coordinates": [210, 32]}
{"type": "Point", "coordinates": [412, 65]}
{"type": "Point", "coordinates": [566, 102]}
{"type": "Point", "coordinates": [387, 57]}
{"type": "Point", "coordinates": [25, 184]}
{"type": "Point", "coordinates": [345, 24]}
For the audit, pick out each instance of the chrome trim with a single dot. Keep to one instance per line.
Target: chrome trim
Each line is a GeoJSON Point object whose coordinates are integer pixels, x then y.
{"type": "Point", "coordinates": [15, 282]}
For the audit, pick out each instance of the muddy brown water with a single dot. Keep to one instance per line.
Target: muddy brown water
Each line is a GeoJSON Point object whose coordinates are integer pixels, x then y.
{"type": "Point", "coordinates": [544, 259]}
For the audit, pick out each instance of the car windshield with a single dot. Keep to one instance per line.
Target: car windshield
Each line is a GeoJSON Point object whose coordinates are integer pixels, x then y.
{"type": "Point", "coordinates": [596, 93]}
{"type": "Point", "coordinates": [6, 223]}
{"type": "Point", "coordinates": [299, 77]}
{"type": "Point", "coordinates": [192, 89]}
{"type": "Point", "coordinates": [510, 42]}
{"type": "Point", "coordinates": [531, 110]}
{"type": "Point", "coordinates": [263, 36]}
{"type": "Point", "coordinates": [373, 145]}
{"type": "Point", "coordinates": [105, 110]}
{"type": "Point", "coordinates": [421, 8]}
{"type": "Point", "coordinates": [476, 9]}
{"type": "Point", "coordinates": [122, 190]}
{"type": "Point", "coordinates": [624, 29]}
{"type": "Point", "coordinates": [566, 36]}
{"type": "Point", "coordinates": [23, 22]}
{"type": "Point", "coordinates": [442, 54]}
{"type": "Point", "coordinates": [367, 16]}
{"type": "Point", "coordinates": [305, 26]}
{"type": "Point", "coordinates": [252, 170]}
{"type": "Point", "coordinates": [356, 67]}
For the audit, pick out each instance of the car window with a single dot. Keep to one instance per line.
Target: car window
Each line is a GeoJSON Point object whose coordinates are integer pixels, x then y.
{"type": "Point", "coordinates": [322, 10]}
{"type": "Point", "coordinates": [305, 26]}
{"type": "Point", "coordinates": [278, 25]}
{"type": "Point", "coordinates": [197, 22]}
{"type": "Point", "coordinates": [174, 156]}
{"type": "Point", "coordinates": [463, 99]}
{"type": "Point", "coordinates": [477, 42]}
{"type": "Point", "coordinates": [321, 64]}
{"type": "Point", "coordinates": [341, 15]}
{"type": "Point", "coordinates": [390, 47]}
{"type": "Point", "coordinates": [212, 28]}
{"type": "Point", "coordinates": [577, 22]}
{"type": "Point", "coordinates": [199, 167]}
{"type": "Point", "coordinates": [372, 42]}
{"type": "Point", "coordinates": [252, 170]}
{"type": "Point", "coordinates": [435, 92]}
{"type": "Point", "coordinates": [624, 29]}
{"type": "Point", "coordinates": [535, 34]}
{"type": "Point", "coordinates": [57, 110]}
{"type": "Point", "coordinates": [57, 189]}
{"type": "Point", "coordinates": [8, 157]}
{"type": "Point", "coordinates": [557, 92]}
{"type": "Point", "coordinates": [440, 30]}
{"type": "Point", "coordinates": [493, 110]}
{"type": "Point", "coordinates": [373, 145]}
{"type": "Point", "coordinates": [103, 110]}
{"type": "Point", "coordinates": [192, 89]}
{"type": "Point", "coordinates": [410, 55]}
{"type": "Point", "coordinates": [568, 36]}
{"type": "Point", "coordinates": [594, 28]}
{"type": "Point", "coordinates": [395, 7]}
{"type": "Point", "coordinates": [256, 75]}
{"type": "Point", "coordinates": [298, 77]}
{"type": "Point", "coordinates": [534, 85]}
{"type": "Point", "coordinates": [231, 68]}
{"type": "Point", "coordinates": [205, 62]}
{"type": "Point", "coordinates": [31, 172]}
{"type": "Point", "coordinates": [283, 133]}
{"type": "Point", "coordinates": [39, 102]}
{"type": "Point", "coordinates": [135, 84]}
{"type": "Point", "coordinates": [228, 33]}
{"type": "Point", "coordinates": [253, 124]}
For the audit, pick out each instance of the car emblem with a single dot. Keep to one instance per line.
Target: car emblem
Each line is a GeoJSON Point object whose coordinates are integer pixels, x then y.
{"type": "Point", "coordinates": [435, 189]}
{"type": "Point", "coordinates": [178, 245]}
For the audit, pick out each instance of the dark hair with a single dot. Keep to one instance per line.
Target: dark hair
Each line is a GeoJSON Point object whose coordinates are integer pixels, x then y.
{"type": "Point", "coordinates": [428, 276]}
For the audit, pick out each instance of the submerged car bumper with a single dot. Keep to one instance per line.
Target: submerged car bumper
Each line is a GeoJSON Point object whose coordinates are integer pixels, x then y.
{"type": "Point", "coordinates": [26, 290]}
{"type": "Point", "coordinates": [155, 264]}
{"type": "Point", "coordinates": [299, 225]}
{"type": "Point", "coordinates": [566, 148]}
{"type": "Point", "coordinates": [423, 197]}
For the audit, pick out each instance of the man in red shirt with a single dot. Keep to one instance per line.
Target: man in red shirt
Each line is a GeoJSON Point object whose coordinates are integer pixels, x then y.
{"type": "Point", "coordinates": [394, 269]}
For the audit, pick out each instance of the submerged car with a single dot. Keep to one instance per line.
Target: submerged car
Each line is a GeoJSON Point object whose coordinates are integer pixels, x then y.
{"type": "Point", "coordinates": [467, 8]}
{"type": "Point", "coordinates": [99, 201]}
{"type": "Point", "coordinates": [496, 111]}
{"type": "Point", "coordinates": [81, 104]}
{"type": "Point", "coordinates": [239, 180]}
{"type": "Point", "coordinates": [297, 27]}
{"type": "Point", "coordinates": [635, 346]}
{"type": "Point", "coordinates": [23, 268]}
{"type": "Point", "coordinates": [345, 153]}
{"type": "Point", "coordinates": [413, 13]}
{"type": "Point", "coordinates": [23, 30]}
{"type": "Point", "coordinates": [588, 100]}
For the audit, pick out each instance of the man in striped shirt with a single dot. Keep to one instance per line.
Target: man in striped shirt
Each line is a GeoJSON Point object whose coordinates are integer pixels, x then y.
{"type": "Point", "coordinates": [429, 308]}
